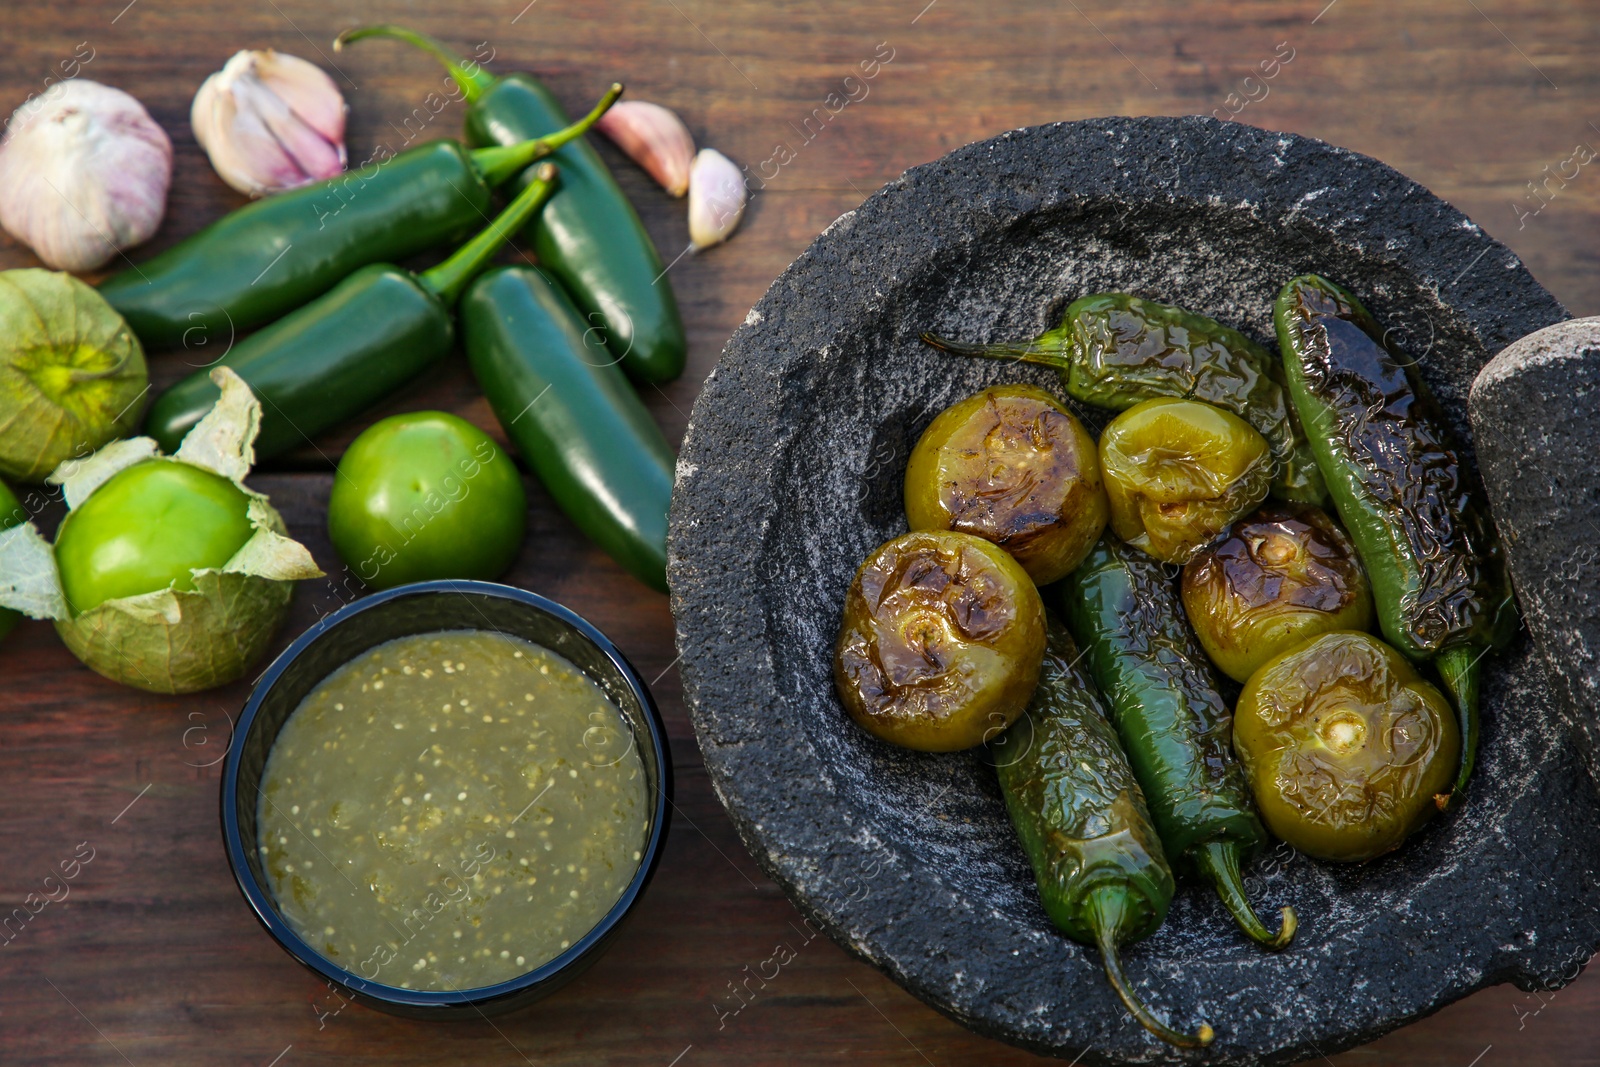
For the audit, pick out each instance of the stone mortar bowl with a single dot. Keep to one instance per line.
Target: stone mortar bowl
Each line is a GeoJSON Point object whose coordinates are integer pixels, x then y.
{"type": "Point", "coordinates": [791, 473]}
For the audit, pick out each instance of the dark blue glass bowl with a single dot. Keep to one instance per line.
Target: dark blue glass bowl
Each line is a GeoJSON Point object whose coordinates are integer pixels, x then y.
{"type": "Point", "coordinates": [425, 607]}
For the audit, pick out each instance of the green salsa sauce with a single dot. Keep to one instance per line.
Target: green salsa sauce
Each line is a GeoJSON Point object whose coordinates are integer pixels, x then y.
{"type": "Point", "coordinates": [451, 810]}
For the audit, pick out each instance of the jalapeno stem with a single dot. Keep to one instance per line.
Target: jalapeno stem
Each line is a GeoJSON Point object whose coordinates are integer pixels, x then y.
{"type": "Point", "coordinates": [473, 79]}
{"type": "Point", "coordinates": [1052, 349]}
{"type": "Point", "coordinates": [1108, 914]}
{"type": "Point", "coordinates": [1458, 670]}
{"type": "Point", "coordinates": [448, 279]}
{"type": "Point", "coordinates": [1219, 864]}
{"type": "Point", "coordinates": [499, 162]}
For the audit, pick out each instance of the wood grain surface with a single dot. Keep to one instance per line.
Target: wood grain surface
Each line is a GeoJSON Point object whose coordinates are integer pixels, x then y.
{"type": "Point", "coordinates": [153, 957]}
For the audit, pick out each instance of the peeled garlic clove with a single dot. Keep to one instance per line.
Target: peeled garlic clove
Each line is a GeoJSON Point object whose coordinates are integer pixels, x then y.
{"type": "Point", "coordinates": [84, 172]}
{"type": "Point", "coordinates": [270, 121]}
{"type": "Point", "coordinates": [716, 198]}
{"type": "Point", "coordinates": [653, 137]}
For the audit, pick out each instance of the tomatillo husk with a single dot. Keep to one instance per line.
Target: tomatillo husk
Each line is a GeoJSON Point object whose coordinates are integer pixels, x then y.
{"type": "Point", "coordinates": [72, 375]}
{"type": "Point", "coordinates": [171, 640]}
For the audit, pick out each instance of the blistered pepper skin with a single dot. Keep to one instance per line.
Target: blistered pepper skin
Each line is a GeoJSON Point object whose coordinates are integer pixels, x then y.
{"type": "Point", "coordinates": [1082, 821]}
{"type": "Point", "coordinates": [1413, 511]}
{"type": "Point", "coordinates": [1124, 611]}
{"type": "Point", "coordinates": [1115, 350]}
{"type": "Point", "coordinates": [1281, 576]}
{"type": "Point", "coordinates": [940, 643]}
{"type": "Point", "coordinates": [1345, 745]}
{"type": "Point", "coordinates": [1011, 465]}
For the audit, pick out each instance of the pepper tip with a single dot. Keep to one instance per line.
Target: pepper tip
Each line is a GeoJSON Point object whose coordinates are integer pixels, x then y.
{"type": "Point", "coordinates": [1205, 1034]}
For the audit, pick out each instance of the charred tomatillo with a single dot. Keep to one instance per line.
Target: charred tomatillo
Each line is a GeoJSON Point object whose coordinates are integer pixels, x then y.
{"type": "Point", "coordinates": [1012, 466]}
{"type": "Point", "coordinates": [1345, 746]}
{"type": "Point", "coordinates": [941, 642]}
{"type": "Point", "coordinates": [1178, 472]}
{"type": "Point", "coordinates": [426, 495]}
{"type": "Point", "coordinates": [1280, 577]}
{"type": "Point", "coordinates": [149, 527]}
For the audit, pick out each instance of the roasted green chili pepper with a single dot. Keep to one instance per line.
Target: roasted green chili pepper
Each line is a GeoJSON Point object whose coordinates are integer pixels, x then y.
{"type": "Point", "coordinates": [274, 255]}
{"type": "Point", "coordinates": [1414, 512]}
{"type": "Point", "coordinates": [1114, 351]}
{"type": "Point", "coordinates": [343, 352]}
{"type": "Point", "coordinates": [1124, 611]}
{"type": "Point", "coordinates": [589, 236]}
{"type": "Point", "coordinates": [1082, 820]}
{"type": "Point", "coordinates": [573, 414]}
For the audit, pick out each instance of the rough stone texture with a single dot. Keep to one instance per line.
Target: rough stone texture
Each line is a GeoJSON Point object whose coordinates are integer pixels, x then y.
{"type": "Point", "coordinates": [790, 474]}
{"type": "Point", "coordinates": [1536, 415]}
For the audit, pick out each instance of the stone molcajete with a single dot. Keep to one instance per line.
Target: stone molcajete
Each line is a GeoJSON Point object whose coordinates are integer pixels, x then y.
{"type": "Point", "coordinates": [791, 474]}
{"type": "Point", "coordinates": [1535, 412]}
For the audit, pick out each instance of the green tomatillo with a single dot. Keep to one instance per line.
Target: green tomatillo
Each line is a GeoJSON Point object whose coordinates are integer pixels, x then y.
{"type": "Point", "coordinates": [149, 527]}
{"type": "Point", "coordinates": [168, 573]}
{"type": "Point", "coordinates": [11, 514]}
{"type": "Point", "coordinates": [426, 495]}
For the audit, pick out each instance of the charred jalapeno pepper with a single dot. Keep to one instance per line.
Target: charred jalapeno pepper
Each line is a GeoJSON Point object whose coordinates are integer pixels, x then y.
{"type": "Point", "coordinates": [343, 352]}
{"type": "Point", "coordinates": [1083, 824]}
{"type": "Point", "coordinates": [1178, 472]}
{"type": "Point", "coordinates": [1012, 466]}
{"type": "Point", "coordinates": [940, 643]}
{"type": "Point", "coordinates": [589, 236]}
{"type": "Point", "coordinates": [274, 255]}
{"type": "Point", "coordinates": [1413, 510]}
{"type": "Point", "coordinates": [1280, 576]}
{"type": "Point", "coordinates": [1345, 745]}
{"type": "Point", "coordinates": [574, 416]}
{"type": "Point", "coordinates": [1114, 350]}
{"type": "Point", "coordinates": [1175, 726]}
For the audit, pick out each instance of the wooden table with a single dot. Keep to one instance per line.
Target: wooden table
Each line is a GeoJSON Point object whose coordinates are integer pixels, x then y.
{"type": "Point", "coordinates": [154, 959]}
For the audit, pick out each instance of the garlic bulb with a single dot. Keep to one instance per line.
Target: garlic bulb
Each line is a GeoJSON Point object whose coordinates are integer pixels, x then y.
{"type": "Point", "coordinates": [653, 137]}
{"type": "Point", "coordinates": [270, 121]}
{"type": "Point", "coordinates": [716, 198]}
{"type": "Point", "coordinates": [84, 172]}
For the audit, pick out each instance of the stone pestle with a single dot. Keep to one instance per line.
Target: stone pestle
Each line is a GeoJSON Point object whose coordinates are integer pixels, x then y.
{"type": "Point", "coordinates": [1535, 411]}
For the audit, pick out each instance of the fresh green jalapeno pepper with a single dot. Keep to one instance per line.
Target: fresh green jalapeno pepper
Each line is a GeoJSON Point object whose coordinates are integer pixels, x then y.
{"type": "Point", "coordinates": [589, 236]}
{"type": "Point", "coordinates": [343, 352]}
{"type": "Point", "coordinates": [1083, 824]}
{"type": "Point", "coordinates": [1114, 351]}
{"type": "Point", "coordinates": [1124, 611]}
{"type": "Point", "coordinates": [1413, 511]}
{"type": "Point", "coordinates": [274, 255]}
{"type": "Point", "coordinates": [573, 414]}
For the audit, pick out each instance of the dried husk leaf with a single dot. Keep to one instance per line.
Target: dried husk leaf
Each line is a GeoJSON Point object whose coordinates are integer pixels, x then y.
{"type": "Point", "coordinates": [72, 375]}
{"type": "Point", "coordinates": [28, 581]}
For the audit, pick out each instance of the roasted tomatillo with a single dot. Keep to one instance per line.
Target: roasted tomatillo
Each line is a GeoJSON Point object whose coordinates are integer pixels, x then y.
{"type": "Point", "coordinates": [149, 527]}
{"type": "Point", "coordinates": [426, 495]}
{"type": "Point", "coordinates": [1345, 746]}
{"type": "Point", "coordinates": [1012, 466]}
{"type": "Point", "coordinates": [941, 641]}
{"type": "Point", "coordinates": [1280, 576]}
{"type": "Point", "coordinates": [1178, 472]}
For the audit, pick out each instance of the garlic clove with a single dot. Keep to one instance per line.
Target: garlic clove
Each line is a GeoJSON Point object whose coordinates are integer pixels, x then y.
{"type": "Point", "coordinates": [653, 137]}
{"type": "Point", "coordinates": [717, 197]}
{"type": "Point", "coordinates": [84, 172]}
{"type": "Point", "coordinates": [309, 91]}
{"type": "Point", "coordinates": [269, 122]}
